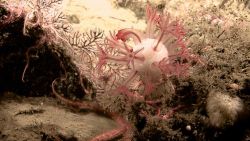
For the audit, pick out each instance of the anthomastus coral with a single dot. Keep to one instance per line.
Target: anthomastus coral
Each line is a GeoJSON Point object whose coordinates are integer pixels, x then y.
{"type": "Point", "coordinates": [150, 56]}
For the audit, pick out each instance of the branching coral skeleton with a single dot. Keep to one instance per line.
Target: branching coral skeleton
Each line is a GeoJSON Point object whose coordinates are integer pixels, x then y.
{"type": "Point", "coordinates": [46, 22]}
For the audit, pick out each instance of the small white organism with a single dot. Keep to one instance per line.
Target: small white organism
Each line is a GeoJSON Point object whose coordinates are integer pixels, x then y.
{"type": "Point", "coordinates": [223, 109]}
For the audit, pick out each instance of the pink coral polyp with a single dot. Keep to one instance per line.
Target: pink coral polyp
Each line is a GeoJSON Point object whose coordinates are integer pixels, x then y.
{"type": "Point", "coordinates": [152, 53]}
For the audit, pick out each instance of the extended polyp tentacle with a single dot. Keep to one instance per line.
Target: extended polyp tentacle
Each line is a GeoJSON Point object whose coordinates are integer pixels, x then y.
{"type": "Point", "coordinates": [152, 19]}
{"type": "Point", "coordinates": [125, 34]}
